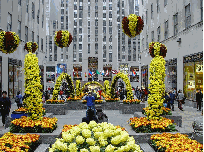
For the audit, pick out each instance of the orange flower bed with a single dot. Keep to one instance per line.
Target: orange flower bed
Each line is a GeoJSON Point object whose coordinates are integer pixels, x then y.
{"type": "Point", "coordinates": [33, 126]}
{"type": "Point", "coordinates": [11, 142]}
{"type": "Point", "coordinates": [96, 101]}
{"type": "Point", "coordinates": [55, 101]}
{"type": "Point", "coordinates": [68, 127]}
{"type": "Point", "coordinates": [133, 101]}
{"type": "Point", "coordinates": [74, 99]}
{"type": "Point", "coordinates": [24, 109]}
{"type": "Point", "coordinates": [144, 125]}
{"type": "Point", "coordinates": [168, 142]}
{"type": "Point", "coordinates": [108, 99]}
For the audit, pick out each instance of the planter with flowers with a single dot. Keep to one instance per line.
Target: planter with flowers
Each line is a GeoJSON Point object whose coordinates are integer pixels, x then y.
{"type": "Point", "coordinates": [166, 111]}
{"type": "Point", "coordinates": [174, 142]}
{"type": "Point", "coordinates": [57, 107]}
{"type": "Point", "coordinates": [12, 142]}
{"type": "Point", "coordinates": [55, 101]}
{"type": "Point", "coordinates": [74, 103]}
{"type": "Point", "coordinates": [96, 101]}
{"type": "Point", "coordinates": [95, 137]}
{"type": "Point", "coordinates": [9, 42]}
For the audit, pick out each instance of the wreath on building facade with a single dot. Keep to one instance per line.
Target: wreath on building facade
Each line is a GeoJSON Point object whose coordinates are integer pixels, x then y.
{"type": "Point", "coordinates": [31, 47]}
{"type": "Point", "coordinates": [9, 42]}
{"type": "Point", "coordinates": [132, 25]}
{"type": "Point", "coordinates": [63, 76]}
{"type": "Point", "coordinates": [125, 78]}
{"type": "Point", "coordinates": [63, 38]}
{"type": "Point", "coordinates": [157, 74]}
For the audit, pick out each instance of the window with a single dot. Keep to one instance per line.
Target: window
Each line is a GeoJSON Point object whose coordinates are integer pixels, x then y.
{"type": "Point", "coordinates": [88, 30]}
{"type": "Point", "coordinates": [152, 11]}
{"type": "Point", "coordinates": [19, 2]}
{"type": "Point", "coordinates": [142, 2]}
{"type": "Point", "coordinates": [38, 15]}
{"type": "Point", "coordinates": [158, 34]}
{"type": "Point", "coordinates": [104, 22]}
{"type": "Point", "coordinates": [81, 14]}
{"type": "Point", "coordinates": [80, 57]}
{"type": "Point", "coordinates": [110, 30]}
{"type": "Point", "coordinates": [201, 9]}
{"type": "Point", "coordinates": [38, 40]}
{"type": "Point", "coordinates": [147, 44]}
{"type": "Point", "coordinates": [104, 30]}
{"type": "Point", "coordinates": [96, 22]}
{"type": "Point", "coordinates": [80, 22]}
{"type": "Point", "coordinates": [123, 57]}
{"type": "Point", "coordinates": [104, 15]}
{"type": "Point", "coordinates": [104, 54]}
{"type": "Point", "coordinates": [165, 2]}
{"type": "Point", "coordinates": [42, 20]}
{"type": "Point", "coordinates": [80, 7]}
{"type": "Point", "coordinates": [50, 58]}
{"type": "Point", "coordinates": [62, 26]}
{"type": "Point", "coordinates": [88, 38]}
{"type": "Point", "coordinates": [88, 23]}
{"type": "Point", "coordinates": [75, 14]}
{"type": "Point", "coordinates": [158, 6]}
{"type": "Point", "coordinates": [80, 30]}
{"type": "Point", "coordinates": [75, 23]}
{"type": "Point", "coordinates": [32, 36]}
{"type": "Point", "coordinates": [187, 16]}
{"type": "Point", "coordinates": [176, 24]}
{"type": "Point", "coordinates": [96, 14]}
{"type": "Point", "coordinates": [19, 29]}
{"type": "Point", "coordinates": [110, 57]}
{"type": "Point", "coordinates": [33, 10]}
{"type": "Point", "coordinates": [80, 38]}
{"type": "Point", "coordinates": [129, 57]}
{"type": "Point", "coordinates": [96, 48]}
{"type": "Point", "coordinates": [122, 3]}
{"type": "Point", "coordinates": [96, 32]}
{"type": "Point", "coordinates": [41, 44]}
{"type": "Point", "coordinates": [66, 19]}
{"type": "Point", "coordinates": [43, 2]}
{"type": "Point", "coordinates": [152, 36]}
{"type": "Point", "coordinates": [146, 17]}
{"type": "Point", "coordinates": [110, 39]}
{"type": "Point", "coordinates": [110, 6]}
{"type": "Point", "coordinates": [26, 34]}
{"type": "Point", "coordinates": [9, 24]}
{"type": "Point", "coordinates": [62, 18]}
{"type": "Point", "coordinates": [96, 7]}
{"type": "Point", "coordinates": [88, 48]}
{"type": "Point", "coordinates": [104, 7]}
{"type": "Point", "coordinates": [110, 14]}
{"type": "Point", "coordinates": [62, 11]}
{"type": "Point", "coordinates": [66, 57]}
{"type": "Point", "coordinates": [104, 38]}
{"type": "Point", "coordinates": [96, 38]}
{"type": "Point", "coordinates": [27, 5]}
{"type": "Point", "coordinates": [110, 22]}
{"type": "Point", "coordinates": [166, 30]}
{"type": "Point", "coordinates": [80, 46]}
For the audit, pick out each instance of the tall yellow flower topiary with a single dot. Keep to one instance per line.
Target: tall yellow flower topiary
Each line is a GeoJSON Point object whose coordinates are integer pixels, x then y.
{"type": "Point", "coordinates": [78, 88]}
{"type": "Point", "coordinates": [33, 100]}
{"type": "Point", "coordinates": [157, 75]}
{"type": "Point", "coordinates": [107, 88]}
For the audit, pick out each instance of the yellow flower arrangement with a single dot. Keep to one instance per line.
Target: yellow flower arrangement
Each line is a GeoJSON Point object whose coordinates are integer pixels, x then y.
{"type": "Point", "coordinates": [125, 78]}
{"type": "Point", "coordinates": [12, 142]}
{"type": "Point", "coordinates": [12, 42]}
{"type": "Point", "coordinates": [33, 95]}
{"type": "Point", "coordinates": [59, 82]}
{"type": "Point", "coordinates": [144, 125]}
{"type": "Point", "coordinates": [78, 88]}
{"type": "Point", "coordinates": [157, 86]}
{"type": "Point", "coordinates": [133, 101]}
{"type": "Point", "coordinates": [31, 46]}
{"type": "Point", "coordinates": [132, 24]}
{"type": "Point", "coordinates": [92, 82]}
{"type": "Point", "coordinates": [93, 137]}
{"type": "Point", "coordinates": [96, 101]}
{"type": "Point", "coordinates": [55, 101]}
{"type": "Point", "coordinates": [74, 99]}
{"type": "Point", "coordinates": [107, 88]}
{"type": "Point", "coordinates": [175, 142]}
{"type": "Point", "coordinates": [25, 124]}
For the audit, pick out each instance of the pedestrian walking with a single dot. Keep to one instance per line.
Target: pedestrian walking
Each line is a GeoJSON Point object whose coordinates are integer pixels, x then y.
{"type": "Point", "coordinates": [171, 100]}
{"type": "Point", "coordinates": [20, 97]}
{"type": "Point", "coordinates": [5, 106]}
{"type": "Point", "coordinates": [180, 99]}
{"type": "Point", "coordinates": [61, 93]}
{"type": "Point", "coordinates": [166, 99]}
{"type": "Point", "coordinates": [199, 97]}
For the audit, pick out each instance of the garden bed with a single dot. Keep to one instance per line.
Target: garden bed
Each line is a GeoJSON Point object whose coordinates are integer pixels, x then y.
{"type": "Point", "coordinates": [131, 108]}
{"type": "Point", "coordinates": [56, 109]}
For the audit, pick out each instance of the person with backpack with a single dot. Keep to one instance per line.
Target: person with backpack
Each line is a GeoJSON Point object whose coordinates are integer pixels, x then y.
{"type": "Point", "coordinates": [19, 100]}
{"type": "Point", "coordinates": [5, 106]}
{"type": "Point", "coordinates": [90, 103]}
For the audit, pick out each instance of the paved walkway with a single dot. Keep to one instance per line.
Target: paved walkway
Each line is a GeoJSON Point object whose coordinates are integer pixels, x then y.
{"type": "Point", "coordinates": [75, 116]}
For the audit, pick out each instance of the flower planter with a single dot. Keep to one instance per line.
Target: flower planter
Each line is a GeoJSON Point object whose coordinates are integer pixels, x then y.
{"type": "Point", "coordinates": [177, 119]}
{"type": "Point", "coordinates": [74, 105]}
{"type": "Point", "coordinates": [111, 105]}
{"type": "Point", "coordinates": [18, 115]}
{"type": "Point", "coordinates": [131, 108]}
{"type": "Point", "coordinates": [56, 109]}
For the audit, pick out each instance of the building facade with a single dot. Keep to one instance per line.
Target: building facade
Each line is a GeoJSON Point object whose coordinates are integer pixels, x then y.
{"type": "Point", "coordinates": [97, 36]}
{"type": "Point", "coordinates": [27, 19]}
{"type": "Point", "coordinates": [178, 25]}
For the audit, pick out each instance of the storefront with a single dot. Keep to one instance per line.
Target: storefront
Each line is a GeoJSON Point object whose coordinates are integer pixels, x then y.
{"type": "Point", "coordinates": [193, 74]}
{"type": "Point", "coordinates": [144, 76]}
{"type": "Point", "coordinates": [50, 74]}
{"type": "Point", "coordinates": [171, 74]}
{"type": "Point", "coordinates": [107, 68]}
{"type": "Point", "coordinates": [92, 67]}
{"type": "Point", "coordinates": [134, 77]}
{"type": "Point", "coordinates": [77, 72]}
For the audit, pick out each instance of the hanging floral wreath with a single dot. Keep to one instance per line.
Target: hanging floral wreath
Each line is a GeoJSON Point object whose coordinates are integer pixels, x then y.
{"type": "Point", "coordinates": [132, 25]}
{"type": "Point", "coordinates": [156, 48]}
{"type": "Point", "coordinates": [63, 38]}
{"type": "Point", "coordinates": [31, 46]}
{"type": "Point", "coordinates": [9, 42]}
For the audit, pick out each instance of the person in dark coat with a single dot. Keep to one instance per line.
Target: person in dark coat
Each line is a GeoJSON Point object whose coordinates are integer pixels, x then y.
{"type": "Point", "coordinates": [171, 100]}
{"type": "Point", "coordinates": [166, 99]}
{"type": "Point", "coordinates": [90, 103]}
{"type": "Point", "coordinates": [199, 97]}
{"type": "Point", "coordinates": [20, 104]}
{"type": "Point", "coordinates": [5, 105]}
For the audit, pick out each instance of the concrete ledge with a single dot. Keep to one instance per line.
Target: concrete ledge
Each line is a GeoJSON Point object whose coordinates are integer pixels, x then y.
{"type": "Point", "coordinates": [56, 109]}
{"type": "Point", "coordinates": [43, 148]}
{"type": "Point", "coordinates": [177, 119]}
{"type": "Point", "coordinates": [131, 108]}
{"type": "Point", "coordinates": [74, 105]}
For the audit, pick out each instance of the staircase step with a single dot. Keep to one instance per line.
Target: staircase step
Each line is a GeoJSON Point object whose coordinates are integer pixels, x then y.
{"type": "Point", "coordinates": [146, 147]}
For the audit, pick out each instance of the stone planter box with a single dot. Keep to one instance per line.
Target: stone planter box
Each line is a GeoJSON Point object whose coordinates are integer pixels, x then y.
{"type": "Point", "coordinates": [131, 108]}
{"type": "Point", "coordinates": [106, 105]}
{"type": "Point", "coordinates": [177, 119]}
{"type": "Point", "coordinates": [56, 109]}
{"type": "Point", "coordinates": [74, 105]}
{"type": "Point", "coordinates": [9, 119]}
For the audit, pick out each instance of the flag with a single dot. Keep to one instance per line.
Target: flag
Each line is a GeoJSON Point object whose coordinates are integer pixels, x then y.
{"type": "Point", "coordinates": [102, 73]}
{"type": "Point", "coordinates": [97, 72]}
{"type": "Point", "coordinates": [133, 73]}
{"type": "Point", "coordinates": [90, 73]}
{"type": "Point", "coordinates": [106, 73]}
{"type": "Point", "coordinates": [114, 72]}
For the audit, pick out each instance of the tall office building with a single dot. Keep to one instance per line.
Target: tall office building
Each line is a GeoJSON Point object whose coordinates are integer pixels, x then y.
{"type": "Point", "coordinates": [178, 25]}
{"type": "Point", "coordinates": [97, 36]}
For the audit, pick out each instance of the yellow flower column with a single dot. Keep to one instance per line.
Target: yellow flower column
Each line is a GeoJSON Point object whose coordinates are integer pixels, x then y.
{"type": "Point", "coordinates": [78, 88]}
{"type": "Point", "coordinates": [33, 100]}
{"type": "Point", "coordinates": [107, 87]}
{"type": "Point", "coordinates": [156, 86]}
